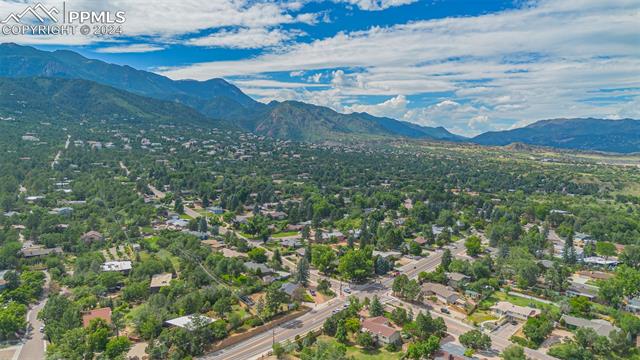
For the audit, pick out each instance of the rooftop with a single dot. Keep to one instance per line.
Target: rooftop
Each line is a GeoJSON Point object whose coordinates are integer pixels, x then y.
{"type": "Point", "coordinates": [160, 280]}
{"type": "Point", "coordinates": [378, 325]}
{"type": "Point", "coordinates": [507, 307]}
{"type": "Point", "coordinates": [102, 313]}
{"type": "Point", "coordinates": [116, 266]}
{"type": "Point", "coordinates": [187, 322]}
{"type": "Point", "coordinates": [438, 289]}
{"type": "Point", "coordinates": [601, 327]}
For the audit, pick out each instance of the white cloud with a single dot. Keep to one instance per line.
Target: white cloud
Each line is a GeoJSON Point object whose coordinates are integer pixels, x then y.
{"type": "Point", "coordinates": [132, 48]}
{"type": "Point", "coordinates": [376, 5]}
{"type": "Point", "coordinates": [245, 38]}
{"type": "Point", "coordinates": [515, 66]}
{"type": "Point", "coordinates": [166, 20]}
{"type": "Point", "coordinates": [395, 107]}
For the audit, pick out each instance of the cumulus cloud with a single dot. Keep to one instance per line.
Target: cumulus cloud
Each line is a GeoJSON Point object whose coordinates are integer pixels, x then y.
{"type": "Point", "coordinates": [168, 19]}
{"type": "Point", "coordinates": [395, 107]}
{"type": "Point", "coordinates": [376, 5]}
{"type": "Point", "coordinates": [517, 66]}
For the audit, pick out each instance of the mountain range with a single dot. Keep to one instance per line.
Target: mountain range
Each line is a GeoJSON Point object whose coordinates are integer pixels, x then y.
{"type": "Point", "coordinates": [622, 136]}
{"type": "Point", "coordinates": [75, 99]}
{"type": "Point", "coordinates": [215, 98]}
{"type": "Point", "coordinates": [65, 82]}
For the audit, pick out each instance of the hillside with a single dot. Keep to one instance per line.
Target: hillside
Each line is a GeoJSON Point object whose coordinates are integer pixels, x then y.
{"type": "Point", "coordinates": [582, 134]}
{"type": "Point", "coordinates": [215, 98]}
{"type": "Point", "coordinates": [75, 99]}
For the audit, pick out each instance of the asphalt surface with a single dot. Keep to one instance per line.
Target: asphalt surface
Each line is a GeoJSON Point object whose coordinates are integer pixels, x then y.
{"type": "Point", "coordinates": [35, 346]}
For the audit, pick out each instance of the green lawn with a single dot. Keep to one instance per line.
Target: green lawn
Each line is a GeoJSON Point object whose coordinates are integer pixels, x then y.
{"type": "Point", "coordinates": [165, 254]}
{"type": "Point", "coordinates": [480, 316]}
{"type": "Point", "coordinates": [502, 296]}
{"type": "Point", "coordinates": [356, 353]}
{"type": "Point", "coordinates": [284, 234]}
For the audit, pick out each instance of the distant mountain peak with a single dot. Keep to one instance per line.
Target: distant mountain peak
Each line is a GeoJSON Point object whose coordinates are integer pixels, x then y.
{"type": "Point", "coordinates": [622, 136]}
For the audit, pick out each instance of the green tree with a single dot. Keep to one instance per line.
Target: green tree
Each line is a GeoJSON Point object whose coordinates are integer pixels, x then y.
{"type": "Point", "coordinates": [473, 245]}
{"type": "Point", "coordinates": [302, 272]}
{"type": "Point", "coordinates": [580, 306]}
{"type": "Point", "coordinates": [322, 258]}
{"type": "Point", "coordinates": [513, 352]}
{"type": "Point", "coordinates": [278, 351]}
{"type": "Point", "coordinates": [366, 340]}
{"type": "Point", "coordinates": [476, 340]}
{"type": "Point", "coordinates": [117, 346]}
{"type": "Point", "coordinates": [423, 349]}
{"type": "Point", "coordinates": [258, 255]}
{"type": "Point", "coordinates": [536, 329]}
{"type": "Point", "coordinates": [341, 333]}
{"type": "Point", "coordinates": [376, 308]}
{"type": "Point", "coordinates": [356, 264]}
{"type": "Point", "coordinates": [606, 249]}
{"type": "Point", "coordinates": [446, 259]}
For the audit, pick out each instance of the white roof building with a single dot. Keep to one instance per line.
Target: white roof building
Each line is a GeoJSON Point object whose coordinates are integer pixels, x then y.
{"type": "Point", "coordinates": [122, 266]}
{"type": "Point", "coordinates": [187, 322]}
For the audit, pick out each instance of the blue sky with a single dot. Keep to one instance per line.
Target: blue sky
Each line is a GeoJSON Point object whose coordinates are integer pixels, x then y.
{"type": "Point", "coordinates": [471, 66]}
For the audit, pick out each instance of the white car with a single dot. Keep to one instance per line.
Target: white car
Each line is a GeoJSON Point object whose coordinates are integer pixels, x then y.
{"type": "Point", "coordinates": [347, 290]}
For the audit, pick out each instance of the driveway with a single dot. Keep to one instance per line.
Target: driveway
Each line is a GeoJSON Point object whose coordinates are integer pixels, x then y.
{"type": "Point", "coordinates": [507, 330]}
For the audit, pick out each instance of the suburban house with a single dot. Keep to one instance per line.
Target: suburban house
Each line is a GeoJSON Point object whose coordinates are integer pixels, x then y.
{"type": "Point", "coordinates": [600, 262]}
{"type": "Point", "coordinates": [262, 268]}
{"type": "Point", "coordinates": [381, 331]}
{"type": "Point", "coordinates": [452, 351]}
{"type": "Point", "coordinates": [119, 266]}
{"type": "Point", "coordinates": [91, 237]}
{"type": "Point", "coordinates": [160, 280]}
{"type": "Point", "coordinates": [36, 251]}
{"type": "Point", "coordinates": [601, 327]}
{"type": "Point", "coordinates": [213, 244]}
{"type": "Point", "coordinates": [514, 312]}
{"type": "Point", "coordinates": [216, 210]}
{"type": "Point", "coordinates": [457, 279]}
{"type": "Point", "coordinates": [289, 288]}
{"type": "Point", "coordinates": [387, 255]}
{"type": "Point", "coordinates": [290, 242]}
{"type": "Point", "coordinates": [230, 253]}
{"type": "Point", "coordinates": [102, 313]}
{"type": "Point", "coordinates": [420, 240]}
{"type": "Point", "coordinates": [334, 234]}
{"type": "Point", "coordinates": [188, 321]}
{"type": "Point", "coordinates": [444, 294]}
{"type": "Point", "coordinates": [578, 289]}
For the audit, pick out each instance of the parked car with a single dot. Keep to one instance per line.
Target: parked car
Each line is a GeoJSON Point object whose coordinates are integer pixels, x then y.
{"type": "Point", "coordinates": [445, 311]}
{"type": "Point", "coordinates": [347, 290]}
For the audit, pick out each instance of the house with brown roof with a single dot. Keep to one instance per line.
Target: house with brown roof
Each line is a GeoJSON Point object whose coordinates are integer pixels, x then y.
{"type": "Point", "coordinates": [420, 240]}
{"type": "Point", "coordinates": [444, 294]}
{"type": "Point", "coordinates": [381, 330]}
{"type": "Point", "coordinates": [102, 313]}
{"type": "Point", "coordinates": [91, 237]}
{"type": "Point", "coordinates": [160, 280]}
{"type": "Point", "coordinates": [514, 312]}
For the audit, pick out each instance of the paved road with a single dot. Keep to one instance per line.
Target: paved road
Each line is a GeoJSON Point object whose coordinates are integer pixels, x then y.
{"type": "Point", "coordinates": [35, 346]}
{"type": "Point", "coordinates": [262, 343]}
